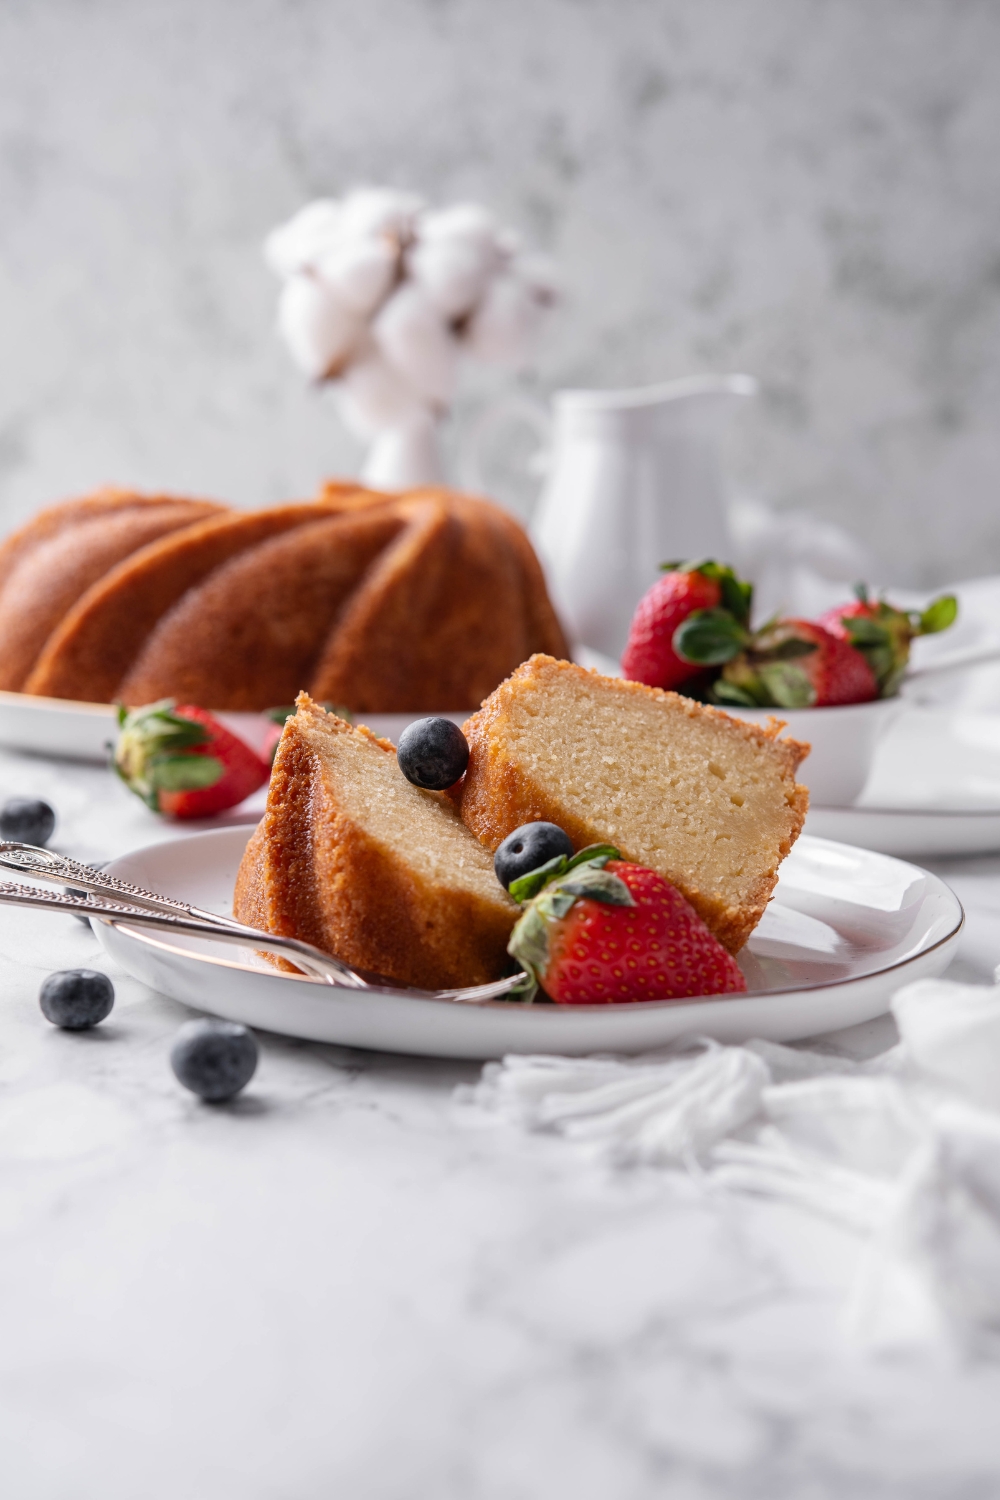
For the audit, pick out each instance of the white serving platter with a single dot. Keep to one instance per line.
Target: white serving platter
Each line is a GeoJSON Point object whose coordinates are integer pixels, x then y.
{"type": "Point", "coordinates": [846, 928]}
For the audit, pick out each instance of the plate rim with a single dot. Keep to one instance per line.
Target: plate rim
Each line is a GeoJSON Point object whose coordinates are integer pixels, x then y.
{"type": "Point", "coordinates": [645, 1007]}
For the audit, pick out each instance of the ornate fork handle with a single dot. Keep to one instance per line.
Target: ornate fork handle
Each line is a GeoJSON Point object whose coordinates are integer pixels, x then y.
{"type": "Point", "coordinates": [44, 864]}
{"type": "Point", "coordinates": [119, 913]}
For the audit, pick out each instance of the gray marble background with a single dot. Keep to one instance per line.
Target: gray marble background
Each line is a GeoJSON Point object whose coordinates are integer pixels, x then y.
{"type": "Point", "coordinates": [807, 191]}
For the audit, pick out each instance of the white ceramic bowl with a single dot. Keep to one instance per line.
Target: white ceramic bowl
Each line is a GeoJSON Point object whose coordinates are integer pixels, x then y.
{"type": "Point", "coordinates": [843, 744]}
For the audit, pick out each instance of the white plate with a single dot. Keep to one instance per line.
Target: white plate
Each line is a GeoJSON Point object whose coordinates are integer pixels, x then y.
{"type": "Point", "coordinates": [846, 928]}
{"type": "Point", "coordinates": [83, 731]}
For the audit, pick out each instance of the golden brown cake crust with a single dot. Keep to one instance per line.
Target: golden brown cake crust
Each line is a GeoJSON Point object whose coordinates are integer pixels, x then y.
{"type": "Point", "coordinates": [55, 519]}
{"type": "Point", "coordinates": [91, 651]}
{"type": "Point", "coordinates": [313, 871]}
{"type": "Point", "coordinates": [49, 577]}
{"type": "Point", "coordinates": [249, 637]}
{"type": "Point", "coordinates": [497, 795]}
{"type": "Point", "coordinates": [445, 613]}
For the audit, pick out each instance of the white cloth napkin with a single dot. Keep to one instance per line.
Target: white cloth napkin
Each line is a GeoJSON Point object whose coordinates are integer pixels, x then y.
{"type": "Point", "coordinates": [904, 1149]}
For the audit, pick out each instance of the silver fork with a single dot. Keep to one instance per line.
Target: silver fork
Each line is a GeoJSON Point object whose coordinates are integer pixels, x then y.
{"type": "Point", "coordinates": [122, 904]}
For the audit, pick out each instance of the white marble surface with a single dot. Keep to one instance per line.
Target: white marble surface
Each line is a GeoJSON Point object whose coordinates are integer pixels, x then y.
{"type": "Point", "coordinates": [806, 191]}
{"type": "Point", "coordinates": [348, 1284]}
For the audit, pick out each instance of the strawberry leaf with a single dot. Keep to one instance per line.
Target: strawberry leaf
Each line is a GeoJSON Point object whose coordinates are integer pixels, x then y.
{"type": "Point", "coordinates": [595, 884]}
{"type": "Point", "coordinates": [527, 886]}
{"type": "Point", "coordinates": [529, 945]}
{"type": "Point", "coordinates": [592, 854]}
{"type": "Point", "coordinates": [184, 773]}
{"type": "Point", "coordinates": [864, 631]}
{"type": "Point", "coordinates": [709, 637]}
{"type": "Point", "coordinates": [939, 615]}
{"type": "Point", "coordinates": [728, 692]}
{"type": "Point", "coordinates": [737, 596]}
{"type": "Point", "coordinates": [791, 649]}
{"type": "Point", "coordinates": [786, 685]}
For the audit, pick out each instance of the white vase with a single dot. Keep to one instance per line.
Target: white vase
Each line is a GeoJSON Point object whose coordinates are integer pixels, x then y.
{"type": "Point", "coordinates": [405, 457]}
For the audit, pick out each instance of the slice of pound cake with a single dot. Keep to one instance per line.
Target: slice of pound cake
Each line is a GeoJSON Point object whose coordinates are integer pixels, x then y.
{"type": "Point", "coordinates": [353, 858]}
{"type": "Point", "coordinates": [709, 801]}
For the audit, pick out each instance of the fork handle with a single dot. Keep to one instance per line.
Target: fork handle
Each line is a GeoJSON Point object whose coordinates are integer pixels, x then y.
{"type": "Point", "coordinates": [59, 869]}
{"type": "Point", "coordinates": [320, 965]}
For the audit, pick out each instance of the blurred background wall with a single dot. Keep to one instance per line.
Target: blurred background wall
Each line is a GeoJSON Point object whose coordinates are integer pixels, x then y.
{"type": "Point", "coordinates": [807, 190]}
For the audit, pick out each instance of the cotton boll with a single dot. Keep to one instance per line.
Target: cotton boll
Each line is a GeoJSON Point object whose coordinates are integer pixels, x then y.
{"type": "Point", "coordinates": [454, 273]}
{"type": "Point", "coordinates": [360, 272]}
{"type": "Point", "coordinates": [372, 396]}
{"type": "Point", "coordinates": [306, 236]}
{"type": "Point", "coordinates": [318, 328]}
{"type": "Point", "coordinates": [468, 222]}
{"type": "Point", "coordinates": [504, 323]}
{"type": "Point", "coordinates": [412, 336]}
{"type": "Point", "coordinates": [454, 257]}
{"type": "Point", "coordinates": [368, 212]}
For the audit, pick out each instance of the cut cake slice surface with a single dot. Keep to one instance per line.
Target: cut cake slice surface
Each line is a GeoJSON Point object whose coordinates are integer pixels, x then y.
{"type": "Point", "coordinates": [353, 858]}
{"type": "Point", "coordinates": [709, 801]}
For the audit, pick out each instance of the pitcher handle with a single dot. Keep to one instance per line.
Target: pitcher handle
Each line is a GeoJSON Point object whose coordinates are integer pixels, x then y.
{"type": "Point", "coordinates": [511, 411]}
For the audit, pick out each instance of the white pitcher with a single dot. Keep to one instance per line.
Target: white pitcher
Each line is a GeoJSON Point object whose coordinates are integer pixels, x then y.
{"type": "Point", "coordinates": [634, 480]}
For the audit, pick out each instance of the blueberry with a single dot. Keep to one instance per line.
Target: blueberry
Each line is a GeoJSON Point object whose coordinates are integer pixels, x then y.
{"type": "Point", "coordinates": [76, 998]}
{"type": "Point", "coordinates": [27, 820]}
{"type": "Point", "coordinates": [433, 753]}
{"type": "Point", "coordinates": [529, 846]}
{"type": "Point", "coordinates": [214, 1059]}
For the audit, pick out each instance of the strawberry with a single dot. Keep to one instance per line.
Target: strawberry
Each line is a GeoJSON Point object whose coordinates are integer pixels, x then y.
{"type": "Point", "coordinates": [883, 633]}
{"type": "Point", "coordinates": [181, 761]}
{"type": "Point", "coordinates": [685, 589]}
{"type": "Point", "coordinates": [597, 930]}
{"type": "Point", "coordinates": [797, 664]}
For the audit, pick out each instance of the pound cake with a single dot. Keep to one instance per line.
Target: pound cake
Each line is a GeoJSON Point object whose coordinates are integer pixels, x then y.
{"type": "Point", "coordinates": [708, 801]}
{"type": "Point", "coordinates": [353, 858]}
{"type": "Point", "coordinates": [384, 603]}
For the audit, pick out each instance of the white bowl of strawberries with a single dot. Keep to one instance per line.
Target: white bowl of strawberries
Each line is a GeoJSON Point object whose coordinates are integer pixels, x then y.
{"type": "Point", "coordinates": [833, 681]}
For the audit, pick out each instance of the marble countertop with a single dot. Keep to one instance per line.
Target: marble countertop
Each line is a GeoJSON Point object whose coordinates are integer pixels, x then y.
{"type": "Point", "coordinates": [346, 1283]}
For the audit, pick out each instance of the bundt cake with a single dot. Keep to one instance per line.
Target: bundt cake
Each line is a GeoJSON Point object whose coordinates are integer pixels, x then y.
{"type": "Point", "coordinates": [352, 857]}
{"type": "Point", "coordinates": [709, 801]}
{"type": "Point", "coordinates": [48, 564]}
{"type": "Point", "coordinates": [383, 603]}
